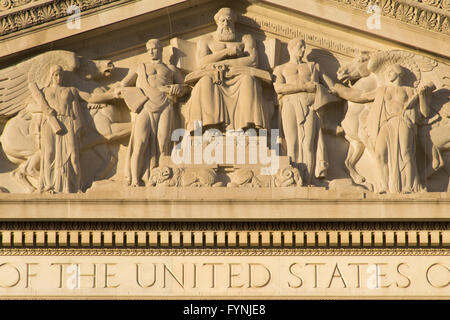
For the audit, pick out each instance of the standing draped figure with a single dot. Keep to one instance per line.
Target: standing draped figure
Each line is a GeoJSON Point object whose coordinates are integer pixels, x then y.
{"type": "Point", "coordinates": [391, 128]}
{"type": "Point", "coordinates": [60, 136]}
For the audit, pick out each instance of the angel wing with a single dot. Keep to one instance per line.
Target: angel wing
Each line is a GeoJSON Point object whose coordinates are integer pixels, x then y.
{"type": "Point", "coordinates": [14, 80]}
{"type": "Point", "coordinates": [13, 90]}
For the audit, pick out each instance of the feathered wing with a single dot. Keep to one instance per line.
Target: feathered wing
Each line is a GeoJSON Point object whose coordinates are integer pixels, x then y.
{"type": "Point", "coordinates": [14, 80]}
{"type": "Point", "coordinates": [13, 90]}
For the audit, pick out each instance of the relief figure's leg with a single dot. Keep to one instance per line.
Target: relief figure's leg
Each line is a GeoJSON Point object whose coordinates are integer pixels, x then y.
{"type": "Point", "coordinates": [290, 128]}
{"type": "Point", "coordinates": [140, 142]}
{"type": "Point", "coordinates": [381, 159]}
{"type": "Point", "coordinates": [32, 167]}
{"type": "Point", "coordinates": [206, 104]}
{"type": "Point", "coordinates": [407, 154]}
{"type": "Point", "coordinates": [165, 131]}
{"type": "Point", "coordinates": [309, 144]}
{"type": "Point", "coordinates": [354, 153]}
{"type": "Point", "coordinates": [434, 160]}
{"type": "Point", "coordinates": [248, 112]}
{"type": "Point", "coordinates": [48, 157]}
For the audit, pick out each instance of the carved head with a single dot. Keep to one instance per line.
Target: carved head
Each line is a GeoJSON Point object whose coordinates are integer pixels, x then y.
{"type": "Point", "coordinates": [154, 49]}
{"type": "Point", "coordinates": [95, 69]}
{"type": "Point", "coordinates": [160, 175]}
{"type": "Point", "coordinates": [55, 75]}
{"type": "Point", "coordinates": [225, 19]}
{"type": "Point", "coordinates": [356, 69]}
{"type": "Point", "coordinates": [394, 73]}
{"type": "Point", "coordinates": [296, 48]}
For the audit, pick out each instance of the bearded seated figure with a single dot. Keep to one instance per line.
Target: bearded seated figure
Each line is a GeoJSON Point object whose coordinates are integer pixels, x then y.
{"type": "Point", "coordinates": [227, 93]}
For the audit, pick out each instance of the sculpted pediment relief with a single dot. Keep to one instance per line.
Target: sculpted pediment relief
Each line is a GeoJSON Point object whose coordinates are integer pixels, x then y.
{"type": "Point", "coordinates": [252, 104]}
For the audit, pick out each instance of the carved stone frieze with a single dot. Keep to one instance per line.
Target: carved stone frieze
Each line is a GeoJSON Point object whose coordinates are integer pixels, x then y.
{"type": "Point", "coordinates": [10, 4]}
{"type": "Point", "coordinates": [377, 63]}
{"type": "Point", "coordinates": [201, 140]}
{"type": "Point", "coordinates": [290, 31]}
{"type": "Point", "coordinates": [227, 102]}
{"type": "Point", "coordinates": [41, 12]}
{"type": "Point", "coordinates": [428, 14]}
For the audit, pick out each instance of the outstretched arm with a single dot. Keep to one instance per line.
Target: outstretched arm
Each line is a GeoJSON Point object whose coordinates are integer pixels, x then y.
{"type": "Point", "coordinates": [130, 79]}
{"type": "Point", "coordinates": [178, 88]}
{"type": "Point", "coordinates": [353, 95]}
{"type": "Point", "coordinates": [324, 78]}
{"type": "Point", "coordinates": [98, 96]}
{"type": "Point", "coordinates": [39, 98]}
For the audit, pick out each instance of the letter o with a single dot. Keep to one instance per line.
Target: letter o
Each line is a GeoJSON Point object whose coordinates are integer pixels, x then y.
{"type": "Point", "coordinates": [18, 275]}
{"type": "Point", "coordinates": [428, 275]}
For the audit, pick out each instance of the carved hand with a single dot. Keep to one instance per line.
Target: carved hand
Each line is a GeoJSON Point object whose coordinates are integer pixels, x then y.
{"type": "Point", "coordinates": [175, 90]}
{"type": "Point", "coordinates": [235, 51]}
{"type": "Point", "coordinates": [427, 89]}
{"type": "Point", "coordinates": [117, 92]}
{"type": "Point", "coordinates": [51, 112]}
{"type": "Point", "coordinates": [336, 89]}
{"type": "Point", "coordinates": [310, 87]}
{"type": "Point", "coordinates": [165, 89]}
{"type": "Point", "coordinates": [437, 117]}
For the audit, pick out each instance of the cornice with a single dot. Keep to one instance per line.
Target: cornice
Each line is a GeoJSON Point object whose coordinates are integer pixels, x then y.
{"type": "Point", "coordinates": [23, 14]}
{"type": "Point", "coordinates": [17, 15]}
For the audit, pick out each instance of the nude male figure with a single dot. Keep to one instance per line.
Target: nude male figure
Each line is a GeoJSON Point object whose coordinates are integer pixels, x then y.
{"type": "Point", "coordinates": [296, 84]}
{"type": "Point", "coordinates": [152, 127]}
